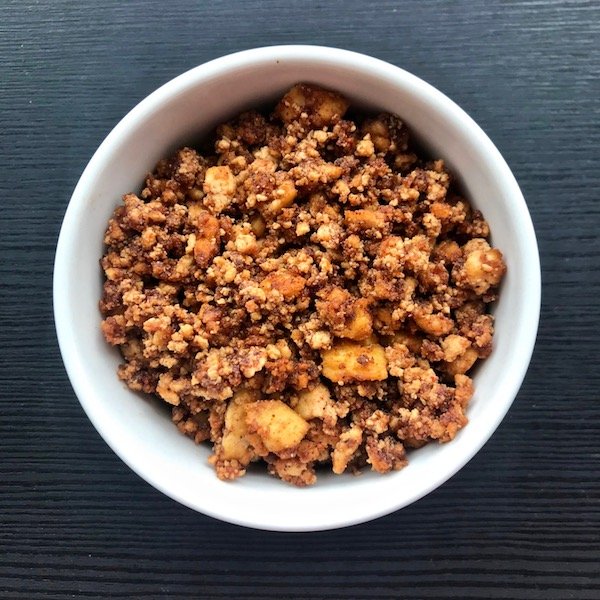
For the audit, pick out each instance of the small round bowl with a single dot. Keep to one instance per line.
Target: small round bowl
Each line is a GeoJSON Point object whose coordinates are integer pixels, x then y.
{"type": "Point", "coordinates": [181, 112]}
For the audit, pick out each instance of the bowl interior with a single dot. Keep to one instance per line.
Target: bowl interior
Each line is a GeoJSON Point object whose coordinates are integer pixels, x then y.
{"type": "Point", "coordinates": [181, 113]}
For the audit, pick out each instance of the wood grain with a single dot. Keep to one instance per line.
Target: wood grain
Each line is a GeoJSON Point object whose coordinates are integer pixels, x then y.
{"type": "Point", "coordinates": [520, 521]}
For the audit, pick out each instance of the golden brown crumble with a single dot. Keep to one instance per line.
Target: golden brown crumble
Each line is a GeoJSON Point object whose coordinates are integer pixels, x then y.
{"type": "Point", "coordinates": [313, 293]}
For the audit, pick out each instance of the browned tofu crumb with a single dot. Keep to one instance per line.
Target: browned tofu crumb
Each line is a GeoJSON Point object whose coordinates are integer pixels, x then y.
{"type": "Point", "coordinates": [312, 293]}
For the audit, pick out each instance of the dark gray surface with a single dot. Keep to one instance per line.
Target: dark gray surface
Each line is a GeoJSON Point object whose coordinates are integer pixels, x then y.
{"type": "Point", "coordinates": [520, 521]}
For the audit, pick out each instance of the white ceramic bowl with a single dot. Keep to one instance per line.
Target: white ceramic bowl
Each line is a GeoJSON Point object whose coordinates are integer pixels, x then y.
{"type": "Point", "coordinates": [180, 112]}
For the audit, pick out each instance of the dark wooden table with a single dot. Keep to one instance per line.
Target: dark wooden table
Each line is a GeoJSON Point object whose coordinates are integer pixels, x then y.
{"type": "Point", "coordinates": [522, 520]}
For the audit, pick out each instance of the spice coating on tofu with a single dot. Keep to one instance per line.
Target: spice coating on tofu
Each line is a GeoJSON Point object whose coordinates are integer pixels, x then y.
{"type": "Point", "coordinates": [312, 293]}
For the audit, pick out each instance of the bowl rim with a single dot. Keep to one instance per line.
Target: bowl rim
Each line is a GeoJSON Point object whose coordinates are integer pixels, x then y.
{"type": "Point", "coordinates": [218, 67]}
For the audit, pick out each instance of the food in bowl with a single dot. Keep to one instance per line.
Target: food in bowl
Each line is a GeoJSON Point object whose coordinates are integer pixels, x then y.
{"type": "Point", "coordinates": [313, 292]}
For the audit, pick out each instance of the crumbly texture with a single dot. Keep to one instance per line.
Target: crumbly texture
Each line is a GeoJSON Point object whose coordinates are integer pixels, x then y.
{"type": "Point", "coordinates": [312, 293]}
